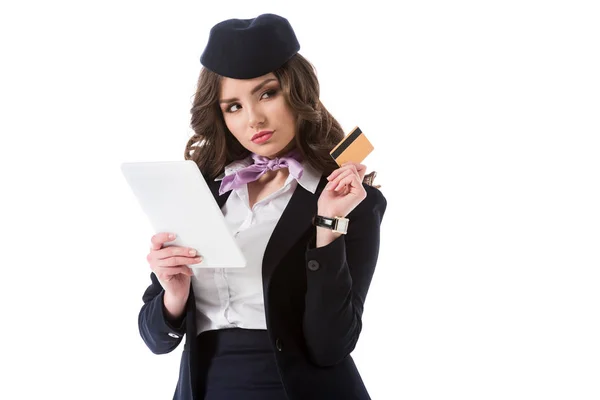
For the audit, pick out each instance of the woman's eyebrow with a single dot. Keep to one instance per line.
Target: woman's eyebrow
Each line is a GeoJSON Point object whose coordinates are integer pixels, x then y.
{"type": "Point", "coordinates": [256, 89]}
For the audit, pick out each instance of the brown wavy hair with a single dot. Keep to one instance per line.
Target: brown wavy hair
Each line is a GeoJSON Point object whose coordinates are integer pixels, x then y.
{"type": "Point", "coordinates": [213, 146]}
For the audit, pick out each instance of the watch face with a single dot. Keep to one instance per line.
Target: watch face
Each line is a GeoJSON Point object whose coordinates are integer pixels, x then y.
{"type": "Point", "coordinates": [342, 225]}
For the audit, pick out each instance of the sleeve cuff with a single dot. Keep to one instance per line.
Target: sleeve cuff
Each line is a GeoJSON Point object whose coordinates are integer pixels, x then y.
{"type": "Point", "coordinates": [175, 329]}
{"type": "Point", "coordinates": [332, 254]}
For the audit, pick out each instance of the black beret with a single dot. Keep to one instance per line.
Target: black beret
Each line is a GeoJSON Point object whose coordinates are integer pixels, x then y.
{"type": "Point", "coordinates": [249, 48]}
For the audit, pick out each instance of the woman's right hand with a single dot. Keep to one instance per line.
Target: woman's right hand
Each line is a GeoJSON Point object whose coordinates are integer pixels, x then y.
{"type": "Point", "coordinates": [170, 265]}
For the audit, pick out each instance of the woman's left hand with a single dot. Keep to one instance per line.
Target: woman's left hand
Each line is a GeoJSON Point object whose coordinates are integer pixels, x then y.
{"type": "Point", "coordinates": [344, 191]}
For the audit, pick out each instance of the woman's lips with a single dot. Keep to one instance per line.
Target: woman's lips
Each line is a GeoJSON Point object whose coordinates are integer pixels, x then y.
{"type": "Point", "coordinates": [262, 138]}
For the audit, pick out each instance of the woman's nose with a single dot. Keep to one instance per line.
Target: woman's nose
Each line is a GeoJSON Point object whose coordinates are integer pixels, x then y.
{"type": "Point", "coordinates": [255, 117]}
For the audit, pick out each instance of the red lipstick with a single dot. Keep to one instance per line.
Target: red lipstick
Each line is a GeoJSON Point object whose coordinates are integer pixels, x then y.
{"type": "Point", "coordinates": [262, 136]}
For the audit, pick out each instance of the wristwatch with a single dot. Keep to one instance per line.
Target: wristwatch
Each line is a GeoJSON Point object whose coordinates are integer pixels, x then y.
{"type": "Point", "coordinates": [336, 224]}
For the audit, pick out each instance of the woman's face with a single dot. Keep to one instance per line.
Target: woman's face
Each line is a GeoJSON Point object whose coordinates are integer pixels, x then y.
{"type": "Point", "coordinates": [254, 107]}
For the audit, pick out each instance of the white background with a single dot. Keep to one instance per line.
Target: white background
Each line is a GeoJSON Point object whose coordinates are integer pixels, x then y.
{"type": "Point", "coordinates": [485, 122]}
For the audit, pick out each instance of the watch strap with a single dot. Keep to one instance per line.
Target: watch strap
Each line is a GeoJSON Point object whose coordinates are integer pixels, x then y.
{"type": "Point", "coordinates": [336, 224]}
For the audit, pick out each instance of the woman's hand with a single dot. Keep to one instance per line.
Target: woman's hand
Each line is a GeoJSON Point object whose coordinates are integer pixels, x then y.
{"type": "Point", "coordinates": [170, 265]}
{"type": "Point", "coordinates": [344, 191]}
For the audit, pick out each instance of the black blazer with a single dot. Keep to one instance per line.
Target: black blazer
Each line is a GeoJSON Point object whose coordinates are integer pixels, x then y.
{"type": "Point", "coordinates": [313, 302]}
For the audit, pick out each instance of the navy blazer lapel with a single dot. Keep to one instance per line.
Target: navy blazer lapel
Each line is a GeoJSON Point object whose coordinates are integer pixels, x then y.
{"type": "Point", "coordinates": [214, 188]}
{"type": "Point", "coordinates": [295, 220]}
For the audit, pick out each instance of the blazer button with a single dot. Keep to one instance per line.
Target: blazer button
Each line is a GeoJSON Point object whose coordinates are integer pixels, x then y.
{"type": "Point", "coordinates": [313, 265]}
{"type": "Point", "coordinates": [278, 344]}
{"type": "Point", "coordinates": [173, 335]}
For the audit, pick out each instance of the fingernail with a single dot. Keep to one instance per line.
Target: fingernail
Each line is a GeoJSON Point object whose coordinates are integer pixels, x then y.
{"type": "Point", "coordinates": [171, 236]}
{"type": "Point", "coordinates": [192, 252]}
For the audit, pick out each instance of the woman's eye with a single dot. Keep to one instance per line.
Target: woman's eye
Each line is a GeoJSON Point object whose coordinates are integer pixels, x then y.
{"type": "Point", "coordinates": [269, 92]}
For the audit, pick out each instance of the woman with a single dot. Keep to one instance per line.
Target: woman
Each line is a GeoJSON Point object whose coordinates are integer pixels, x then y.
{"type": "Point", "coordinates": [284, 326]}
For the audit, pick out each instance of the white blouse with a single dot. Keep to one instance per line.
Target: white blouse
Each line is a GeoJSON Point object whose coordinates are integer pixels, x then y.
{"type": "Point", "coordinates": [233, 297]}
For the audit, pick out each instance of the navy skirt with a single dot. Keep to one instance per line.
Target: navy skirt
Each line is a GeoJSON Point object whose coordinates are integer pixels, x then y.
{"type": "Point", "coordinates": [237, 363]}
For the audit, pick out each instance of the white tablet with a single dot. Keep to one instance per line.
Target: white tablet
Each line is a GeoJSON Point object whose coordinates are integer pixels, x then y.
{"type": "Point", "coordinates": [175, 198]}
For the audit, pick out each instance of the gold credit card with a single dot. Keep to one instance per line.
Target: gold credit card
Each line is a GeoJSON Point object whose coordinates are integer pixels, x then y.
{"type": "Point", "coordinates": [354, 147]}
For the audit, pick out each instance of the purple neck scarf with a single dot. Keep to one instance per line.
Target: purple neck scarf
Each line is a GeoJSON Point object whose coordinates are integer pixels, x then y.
{"type": "Point", "coordinates": [261, 165]}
